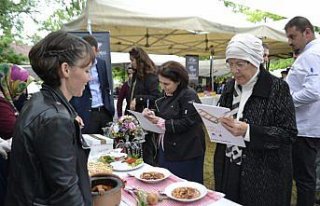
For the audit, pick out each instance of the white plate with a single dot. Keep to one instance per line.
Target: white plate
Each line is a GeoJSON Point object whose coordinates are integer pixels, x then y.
{"type": "Point", "coordinates": [118, 155]}
{"type": "Point", "coordinates": [115, 153]}
{"type": "Point", "coordinates": [164, 171]}
{"type": "Point", "coordinates": [202, 189]}
{"type": "Point", "coordinates": [123, 166]}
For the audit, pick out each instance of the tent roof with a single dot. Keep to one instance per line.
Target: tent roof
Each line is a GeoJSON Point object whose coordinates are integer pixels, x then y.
{"type": "Point", "coordinates": [159, 30]}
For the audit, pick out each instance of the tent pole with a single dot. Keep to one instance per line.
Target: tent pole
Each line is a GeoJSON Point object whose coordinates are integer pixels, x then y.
{"type": "Point", "coordinates": [89, 29]}
{"type": "Point", "coordinates": [211, 67]}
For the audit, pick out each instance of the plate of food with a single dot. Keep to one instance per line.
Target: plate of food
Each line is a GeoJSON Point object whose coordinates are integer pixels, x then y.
{"type": "Point", "coordinates": [112, 157]}
{"type": "Point", "coordinates": [152, 175]}
{"type": "Point", "coordinates": [185, 191]}
{"type": "Point", "coordinates": [129, 163]}
{"type": "Point", "coordinates": [107, 156]}
{"type": "Point", "coordinates": [96, 168]}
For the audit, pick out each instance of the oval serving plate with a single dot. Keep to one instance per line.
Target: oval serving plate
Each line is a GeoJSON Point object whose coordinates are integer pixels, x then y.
{"type": "Point", "coordinates": [166, 173]}
{"type": "Point", "coordinates": [200, 188]}
{"type": "Point", "coordinates": [123, 166]}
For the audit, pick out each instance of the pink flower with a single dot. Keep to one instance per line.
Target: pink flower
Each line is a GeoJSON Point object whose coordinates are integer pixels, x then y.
{"type": "Point", "coordinates": [126, 125]}
{"type": "Point", "coordinates": [132, 126]}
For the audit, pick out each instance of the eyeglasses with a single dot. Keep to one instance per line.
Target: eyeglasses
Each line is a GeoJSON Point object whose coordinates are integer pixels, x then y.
{"type": "Point", "coordinates": [239, 65]}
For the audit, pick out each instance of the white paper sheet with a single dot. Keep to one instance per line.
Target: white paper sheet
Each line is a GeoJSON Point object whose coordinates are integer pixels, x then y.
{"type": "Point", "coordinates": [146, 124]}
{"type": "Point", "coordinates": [217, 133]}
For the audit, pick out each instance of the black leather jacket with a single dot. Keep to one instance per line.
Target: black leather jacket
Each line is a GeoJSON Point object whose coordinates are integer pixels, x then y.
{"type": "Point", "coordinates": [48, 163]}
{"type": "Point", "coordinates": [184, 137]}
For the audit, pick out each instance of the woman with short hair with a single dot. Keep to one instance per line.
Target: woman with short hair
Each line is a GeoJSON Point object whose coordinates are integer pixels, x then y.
{"type": "Point", "coordinates": [49, 157]}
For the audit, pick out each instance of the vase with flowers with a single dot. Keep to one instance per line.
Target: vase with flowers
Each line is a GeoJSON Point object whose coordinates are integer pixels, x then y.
{"type": "Point", "coordinates": [127, 134]}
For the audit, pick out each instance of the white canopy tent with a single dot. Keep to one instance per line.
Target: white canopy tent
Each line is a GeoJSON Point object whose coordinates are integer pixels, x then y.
{"type": "Point", "coordinates": [158, 59]}
{"type": "Point", "coordinates": [201, 26]}
{"type": "Point", "coordinates": [218, 67]}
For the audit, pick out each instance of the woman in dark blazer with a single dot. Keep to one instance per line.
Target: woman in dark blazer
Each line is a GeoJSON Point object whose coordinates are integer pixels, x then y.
{"type": "Point", "coordinates": [182, 146]}
{"type": "Point", "coordinates": [261, 173]}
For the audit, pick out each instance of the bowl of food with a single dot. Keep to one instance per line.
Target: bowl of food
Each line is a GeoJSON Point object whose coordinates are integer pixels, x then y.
{"type": "Point", "coordinates": [185, 191]}
{"type": "Point", "coordinates": [152, 175]}
{"type": "Point", "coordinates": [106, 190]}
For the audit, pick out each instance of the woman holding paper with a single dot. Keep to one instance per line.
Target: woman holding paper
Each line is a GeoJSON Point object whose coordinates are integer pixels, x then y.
{"type": "Point", "coordinates": [182, 146]}
{"type": "Point", "coordinates": [261, 172]}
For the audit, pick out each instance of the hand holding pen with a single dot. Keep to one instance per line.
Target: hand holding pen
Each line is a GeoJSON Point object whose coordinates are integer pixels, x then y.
{"type": "Point", "coordinates": [148, 103]}
{"type": "Point", "coordinates": [150, 115]}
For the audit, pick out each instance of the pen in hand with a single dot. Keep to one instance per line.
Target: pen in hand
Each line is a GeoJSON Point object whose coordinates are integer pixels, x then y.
{"type": "Point", "coordinates": [150, 115]}
{"type": "Point", "coordinates": [148, 102]}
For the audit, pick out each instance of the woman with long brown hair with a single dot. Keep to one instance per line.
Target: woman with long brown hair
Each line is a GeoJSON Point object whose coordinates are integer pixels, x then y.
{"type": "Point", "coordinates": [144, 91]}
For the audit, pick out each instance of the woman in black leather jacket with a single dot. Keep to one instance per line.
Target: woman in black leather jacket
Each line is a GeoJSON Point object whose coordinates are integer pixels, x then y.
{"type": "Point", "coordinates": [182, 147]}
{"type": "Point", "coordinates": [48, 159]}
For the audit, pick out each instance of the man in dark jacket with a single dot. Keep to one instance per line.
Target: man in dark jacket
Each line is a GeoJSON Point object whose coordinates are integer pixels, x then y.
{"type": "Point", "coordinates": [96, 105]}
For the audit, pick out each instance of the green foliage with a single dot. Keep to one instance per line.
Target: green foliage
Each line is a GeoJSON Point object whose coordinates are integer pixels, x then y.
{"type": "Point", "coordinates": [252, 15]}
{"type": "Point", "coordinates": [63, 14]}
{"type": "Point", "coordinates": [260, 16]}
{"type": "Point", "coordinates": [7, 55]}
{"type": "Point", "coordinates": [11, 16]}
{"type": "Point", "coordinates": [119, 74]}
{"type": "Point", "coordinates": [280, 63]}
{"type": "Point", "coordinates": [35, 38]}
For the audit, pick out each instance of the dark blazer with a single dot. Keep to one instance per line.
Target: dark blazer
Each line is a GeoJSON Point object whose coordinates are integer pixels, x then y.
{"type": "Point", "coordinates": [48, 163]}
{"type": "Point", "coordinates": [266, 170]}
{"type": "Point", "coordinates": [83, 104]}
{"type": "Point", "coordinates": [184, 135]}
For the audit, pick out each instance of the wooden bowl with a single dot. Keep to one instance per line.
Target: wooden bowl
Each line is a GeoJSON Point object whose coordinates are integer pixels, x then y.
{"type": "Point", "coordinates": [112, 196]}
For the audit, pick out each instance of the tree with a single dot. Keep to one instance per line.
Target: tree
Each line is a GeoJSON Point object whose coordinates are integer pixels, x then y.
{"type": "Point", "coordinates": [252, 15]}
{"type": "Point", "coordinates": [7, 55]}
{"type": "Point", "coordinates": [11, 26]}
{"type": "Point", "coordinates": [281, 63]}
{"type": "Point", "coordinates": [260, 16]}
{"type": "Point", "coordinates": [64, 13]}
{"type": "Point", "coordinates": [11, 21]}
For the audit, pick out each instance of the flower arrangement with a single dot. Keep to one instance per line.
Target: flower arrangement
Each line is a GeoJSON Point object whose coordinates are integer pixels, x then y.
{"type": "Point", "coordinates": [127, 134]}
{"type": "Point", "coordinates": [125, 126]}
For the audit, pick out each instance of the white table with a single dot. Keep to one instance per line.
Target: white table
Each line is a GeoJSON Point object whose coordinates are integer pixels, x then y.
{"type": "Point", "coordinates": [221, 202]}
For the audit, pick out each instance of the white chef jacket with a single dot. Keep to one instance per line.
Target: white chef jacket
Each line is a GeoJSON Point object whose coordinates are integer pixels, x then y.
{"type": "Point", "coordinates": [304, 83]}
